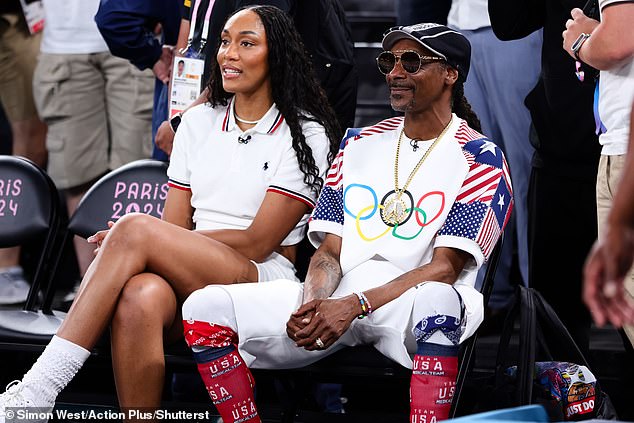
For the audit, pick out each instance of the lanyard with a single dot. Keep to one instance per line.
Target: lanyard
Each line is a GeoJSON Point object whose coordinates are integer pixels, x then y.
{"type": "Point", "coordinates": [599, 126]}
{"type": "Point", "coordinates": [192, 27]}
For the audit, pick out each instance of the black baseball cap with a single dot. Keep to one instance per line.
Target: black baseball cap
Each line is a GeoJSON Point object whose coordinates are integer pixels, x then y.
{"type": "Point", "coordinates": [445, 42]}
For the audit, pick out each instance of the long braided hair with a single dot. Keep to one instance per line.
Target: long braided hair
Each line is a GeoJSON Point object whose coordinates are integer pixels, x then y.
{"type": "Point", "coordinates": [461, 107]}
{"type": "Point", "coordinates": [296, 91]}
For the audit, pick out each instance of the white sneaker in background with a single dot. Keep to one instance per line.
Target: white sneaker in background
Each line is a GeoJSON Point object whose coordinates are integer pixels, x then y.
{"type": "Point", "coordinates": [17, 406]}
{"type": "Point", "coordinates": [13, 287]}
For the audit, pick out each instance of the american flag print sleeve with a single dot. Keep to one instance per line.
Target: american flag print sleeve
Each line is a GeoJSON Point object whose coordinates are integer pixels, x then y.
{"type": "Point", "coordinates": [484, 202]}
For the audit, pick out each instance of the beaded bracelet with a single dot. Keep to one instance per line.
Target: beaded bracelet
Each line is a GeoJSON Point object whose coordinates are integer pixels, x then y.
{"type": "Point", "coordinates": [366, 307]}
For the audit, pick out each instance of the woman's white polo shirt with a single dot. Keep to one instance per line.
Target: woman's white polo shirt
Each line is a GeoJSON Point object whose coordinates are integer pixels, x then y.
{"type": "Point", "coordinates": [229, 171]}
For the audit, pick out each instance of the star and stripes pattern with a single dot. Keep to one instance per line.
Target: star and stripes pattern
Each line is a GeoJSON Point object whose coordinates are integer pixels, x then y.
{"type": "Point", "coordinates": [330, 202]}
{"type": "Point", "coordinates": [485, 200]}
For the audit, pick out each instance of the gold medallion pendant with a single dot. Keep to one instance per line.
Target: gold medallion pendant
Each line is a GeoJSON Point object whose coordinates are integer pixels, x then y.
{"type": "Point", "coordinates": [396, 210]}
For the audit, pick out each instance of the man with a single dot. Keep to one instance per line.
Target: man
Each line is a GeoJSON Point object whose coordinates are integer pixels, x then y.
{"type": "Point", "coordinates": [502, 74]}
{"type": "Point", "coordinates": [97, 106]}
{"type": "Point", "coordinates": [561, 195]}
{"type": "Point", "coordinates": [410, 209]}
{"type": "Point", "coordinates": [608, 46]}
{"type": "Point", "coordinates": [18, 57]}
{"type": "Point", "coordinates": [129, 27]}
{"type": "Point", "coordinates": [181, 68]}
{"type": "Point", "coordinates": [613, 255]}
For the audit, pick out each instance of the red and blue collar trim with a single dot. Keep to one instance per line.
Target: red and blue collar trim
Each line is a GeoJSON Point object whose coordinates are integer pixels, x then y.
{"type": "Point", "coordinates": [276, 123]}
{"type": "Point", "coordinates": [225, 121]}
{"type": "Point", "coordinates": [229, 121]}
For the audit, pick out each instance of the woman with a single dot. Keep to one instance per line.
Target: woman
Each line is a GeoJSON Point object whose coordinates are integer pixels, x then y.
{"type": "Point", "coordinates": [246, 168]}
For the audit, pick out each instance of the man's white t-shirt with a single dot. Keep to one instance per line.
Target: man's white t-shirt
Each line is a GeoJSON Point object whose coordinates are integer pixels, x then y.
{"type": "Point", "coordinates": [229, 171]}
{"type": "Point", "coordinates": [616, 90]}
{"type": "Point", "coordinates": [469, 14]}
{"type": "Point", "coordinates": [461, 197]}
{"type": "Point", "coordinates": [70, 27]}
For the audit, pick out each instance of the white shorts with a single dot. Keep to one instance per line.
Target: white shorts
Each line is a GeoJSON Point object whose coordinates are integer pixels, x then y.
{"type": "Point", "coordinates": [262, 311]}
{"type": "Point", "coordinates": [276, 266]}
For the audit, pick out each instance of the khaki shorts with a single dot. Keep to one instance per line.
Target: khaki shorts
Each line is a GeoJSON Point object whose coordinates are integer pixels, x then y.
{"type": "Point", "coordinates": [98, 109]}
{"type": "Point", "coordinates": [608, 178]}
{"type": "Point", "coordinates": [18, 56]}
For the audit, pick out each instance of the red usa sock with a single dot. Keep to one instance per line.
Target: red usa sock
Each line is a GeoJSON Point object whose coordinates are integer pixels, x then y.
{"type": "Point", "coordinates": [433, 382]}
{"type": "Point", "coordinates": [225, 374]}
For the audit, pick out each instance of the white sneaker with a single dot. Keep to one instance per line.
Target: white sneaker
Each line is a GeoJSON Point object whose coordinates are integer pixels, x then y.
{"type": "Point", "coordinates": [13, 287]}
{"type": "Point", "coordinates": [20, 407]}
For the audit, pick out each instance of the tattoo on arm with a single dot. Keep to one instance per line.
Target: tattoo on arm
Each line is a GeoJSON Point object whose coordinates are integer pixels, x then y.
{"type": "Point", "coordinates": [324, 275]}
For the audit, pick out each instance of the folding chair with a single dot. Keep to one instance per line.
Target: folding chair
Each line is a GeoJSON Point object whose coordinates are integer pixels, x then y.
{"type": "Point", "coordinates": [139, 186]}
{"type": "Point", "coordinates": [29, 212]}
{"type": "Point", "coordinates": [469, 345]}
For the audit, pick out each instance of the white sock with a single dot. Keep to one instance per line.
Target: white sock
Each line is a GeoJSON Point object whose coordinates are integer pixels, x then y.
{"type": "Point", "coordinates": [56, 367]}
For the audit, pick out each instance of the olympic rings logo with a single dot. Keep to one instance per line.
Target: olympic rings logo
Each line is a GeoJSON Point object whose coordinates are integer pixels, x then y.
{"type": "Point", "coordinates": [421, 216]}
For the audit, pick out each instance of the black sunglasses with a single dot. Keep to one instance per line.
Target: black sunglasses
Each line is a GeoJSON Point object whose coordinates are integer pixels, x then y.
{"type": "Point", "coordinates": [410, 60]}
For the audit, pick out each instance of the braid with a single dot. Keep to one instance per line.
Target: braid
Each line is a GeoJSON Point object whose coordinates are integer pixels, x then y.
{"type": "Point", "coordinates": [462, 108]}
{"type": "Point", "coordinates": [304, 154]}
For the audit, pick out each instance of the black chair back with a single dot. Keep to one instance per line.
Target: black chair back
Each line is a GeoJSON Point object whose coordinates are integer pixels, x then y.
{"type": "Point", "coordinates": [29, 212]}
{"type": "Point", "coordinates": [26, 202]}
{"type": "Point", "coordinates": [139, 186]}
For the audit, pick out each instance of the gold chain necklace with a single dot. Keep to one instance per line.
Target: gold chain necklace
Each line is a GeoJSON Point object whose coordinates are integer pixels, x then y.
{"type": "Point", "coordinates": [395, 211]}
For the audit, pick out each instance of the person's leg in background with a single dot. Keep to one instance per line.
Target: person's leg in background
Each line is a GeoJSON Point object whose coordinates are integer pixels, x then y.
{"type": "Point", "coordinates": [69, 94]}
{"type": "Point", "coordinates": [410, 12]}
{"type": "Point", "coordinates": [107, 123]}
{"type": "Point", "coordinates": [476, 92]}
{"type": "Point", "coordinates": [514, 79]}
{"type": "Point", "coordinates": [608, 178]}
{"type": "Point", "coordinates": [502, 74]}
{"type": "Point", "coordinates": [129, 99]}
{"type": "Point", "coordinates": [18, 56]}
